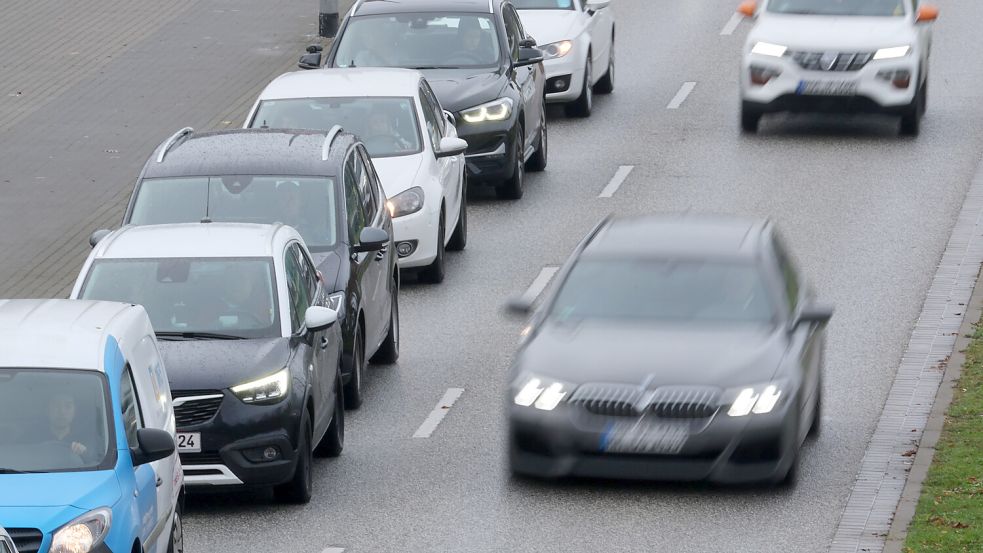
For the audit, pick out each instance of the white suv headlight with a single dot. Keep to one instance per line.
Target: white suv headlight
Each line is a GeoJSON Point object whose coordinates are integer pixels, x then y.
{"type": "Point", "coordinates": [496, 110]}
{"type": "Point", "coordinates": [84, 533]}
{"type": "Point", "coordinates": [759, 399]}
{"type": "Point", "coordinates": [556, 49]}
{"type": "Point", "coordinates": [769, 49]}
{"type": "Point", "coordinates": [892, 53]}
{"type": "Point", "coordinates": [542, 393]}
{"type": "Point", "coordinates": [268, 389]}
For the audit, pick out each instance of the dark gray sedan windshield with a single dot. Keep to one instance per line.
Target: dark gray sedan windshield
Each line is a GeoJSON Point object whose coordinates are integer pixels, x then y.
{"type": "Point", "coordinates": [419, 41]}
{"type": "Point", "coordinates": [878, 8]}
{"type": "Point", "coordinates": [660, 290]}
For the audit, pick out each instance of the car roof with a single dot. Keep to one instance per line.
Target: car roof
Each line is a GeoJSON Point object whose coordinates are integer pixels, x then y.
{"type": "Point", "coordinates": [249, 152]}
{"type": "Point", "coordinates": [57, 334]}
{"type": "Point", "coordinates": [344, 82]}
{"type": "Point", "coordinates": [377, 7]}
{"type": "Point", "coordinates": [185, 240]}
{"type": "Point", "coordinates": [685, 236]}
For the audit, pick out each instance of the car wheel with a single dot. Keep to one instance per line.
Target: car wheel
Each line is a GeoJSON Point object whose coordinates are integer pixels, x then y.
{"type": "Point", "coordinates": [434, 273]}
{"type": "Point", "coordinates": [912, 119]}
{"type": "Point", "coordinates": [300, 488]}
{"type": "Point", "coordinates": [459, 240]}
{"type": "Point", "coordinates": [353, 390]}
{"type": "Point", "coordinates": [584, 104]}
{"type": "Point", "coordinates": [334, 439]}
{"type": "Point", "coordinates": [750, 118]}
{"type": "Point", "coordinates": [606, 84]}
{"type": "Point", "coordinates": [538, 160]}
{"type": "Point", "coordinates": [388, 352]}
{"type": "Point", "coordinates": [176, 543]}
{"type": "Point", "coordinates": [512, 189]}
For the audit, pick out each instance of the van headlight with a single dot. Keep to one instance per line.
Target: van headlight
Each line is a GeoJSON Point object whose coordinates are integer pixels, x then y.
{"type": "Point", "coordinates": [542, 393]}
{"type": "Point", "coordinates": [496, 110]}
{"type": "Point", "coordinates": [268, 389]}
{"type": "Point", "coordinates": [84, 533]}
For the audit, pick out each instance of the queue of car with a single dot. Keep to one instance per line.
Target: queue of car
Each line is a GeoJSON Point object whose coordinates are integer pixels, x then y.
{"type": "Point", "coordinates": [262, 267]}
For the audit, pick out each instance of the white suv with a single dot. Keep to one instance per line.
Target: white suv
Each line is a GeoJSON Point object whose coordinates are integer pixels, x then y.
{"type": "Point", "coordinates": [844, 56]}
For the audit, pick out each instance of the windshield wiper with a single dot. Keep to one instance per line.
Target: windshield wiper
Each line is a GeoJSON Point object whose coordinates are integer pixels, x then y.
{"type": "Point", "coordinates": [14, 471]}
{"type": "Point", "coordinates": [197, 336]}
{"type": "Point", "coordinates": [425, 67]}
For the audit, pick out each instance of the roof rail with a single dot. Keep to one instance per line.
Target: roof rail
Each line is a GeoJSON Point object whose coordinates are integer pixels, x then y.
{"type": "Point", "coordinates": [170, 142]}
{"type": "Point", "coordinates": [328, 139]}
{"type": "Point", "coordinates": [356, 6]}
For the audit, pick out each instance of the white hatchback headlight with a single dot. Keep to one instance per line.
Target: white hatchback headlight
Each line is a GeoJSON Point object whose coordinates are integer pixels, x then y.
{"type": "Point", "coordinates": [542, 393]}
{"type": "Point", "coordinates": [496, 110]}
{"type": "Point", "coordinates": [758, 399]}
{"type": "Point", "coordinates": [406, 202]}
{"type": "Point", "coordinates": [84, 533]}
{"type": "Point", "coordinates": [268, 389]}
{"type": "Point", "coordinates": [769, 49]}
{"type": "Point", "coordinates": [893, 52]}
{"type": "Point", "coordinates": [556, 49]}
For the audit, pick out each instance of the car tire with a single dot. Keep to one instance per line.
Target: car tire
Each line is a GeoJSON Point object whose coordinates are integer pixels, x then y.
{"type": "Point", "coordinates": [300, 488]}
{"type": "Point", "coordinates": [606, 84]}
{"type": "Point", "coordinates": [538, 160]}
{"type": "Point", "coordinates": [512, 189]}
{"type": "Point", "coordinates": [750, 119]}
{"type": "Point", "coordinates": [388, 352]}
{"type": "Point", "coordinates": [353, 390]}
{"type": "Point", "coordinates": [175, 544]}
{"type": "Point", "coordinates": [459, 240]}
{"type": "Point", "coordinates": [584, 104]}
{"type": "Point", "coordinates": [334, 439]}
{"type": "Point", "coordinates": [434, 273]}
{"type": "Point", "coordinates": [912, 119]}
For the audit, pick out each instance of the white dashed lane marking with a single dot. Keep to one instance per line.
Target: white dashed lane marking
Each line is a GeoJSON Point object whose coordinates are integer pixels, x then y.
{"type": "Point", "coordinates": [732, 24]}
{"type": "Point", "coordinates": [438, 413]}
{"type": "Point", "coordinates": [538, 285]}
{"type": "Point", "coordinates": [681, 96]}
{"type": "Point", "coordinates": [616, 181]}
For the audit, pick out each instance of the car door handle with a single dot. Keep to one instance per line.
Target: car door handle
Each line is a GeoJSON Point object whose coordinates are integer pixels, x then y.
{"type": "Point", "coordinates": [160, 481]}
{"type": "Point", "coordinates": [324, 342]}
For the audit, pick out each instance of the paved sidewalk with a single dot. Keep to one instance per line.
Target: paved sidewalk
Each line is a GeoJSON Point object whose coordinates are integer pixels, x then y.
{"type": "Point", "coordinates": [91, 87]}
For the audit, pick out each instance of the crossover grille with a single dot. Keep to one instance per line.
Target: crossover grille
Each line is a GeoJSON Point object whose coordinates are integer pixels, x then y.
{"type": "Point", "coordinates": [193, 407]}
{"type": "Point", "coordinates": [831, 61]}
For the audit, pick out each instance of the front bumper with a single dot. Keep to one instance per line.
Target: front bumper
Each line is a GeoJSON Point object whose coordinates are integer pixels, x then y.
{"type": "Point", "coordinates": [232, 442]}
{"type": "Point", "coordinates": [564, 78]}
{"type": "Point", "coordinates": [871, 93]}
{"type": "Point", "coordinates": [731, 450]}
{"type": "Point", "coordinates": [419, 230]}
{"type": "Point", "coordinates": [490, 157]}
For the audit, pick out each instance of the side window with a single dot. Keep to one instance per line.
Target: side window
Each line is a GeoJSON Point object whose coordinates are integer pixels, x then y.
{"type": "Point", "coordinates": [296, 289]}
{"type": "Point", "coordinates": [433, 122]}
{"type": "Point", "coordinates": [513, 30]}
{"type": "Point", "coordinates": [434, 104]}
{"type": "Point", "coordinates": [789, 274]}
{"type": "Point", "coordinates": [353, 201]}
{"type": "Point", "coordinates": [368, 192]}
{"type": "Point", "coordinates": [307, 271]}
{"type": "Point", "coordinates": [132, 417]}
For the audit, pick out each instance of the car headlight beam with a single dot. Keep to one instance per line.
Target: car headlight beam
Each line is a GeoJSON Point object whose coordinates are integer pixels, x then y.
{"type": "Point", "coordinates": [268, 389]}
{"type": "Point", "coordinates": [892, 53]}
{"type": "Point", "coordinates": [82, 534]}
{"type": "Point", "coordinates": [769, 49]}
{"type": "Point", "coordinates": [759, 399]}
{"type": "Point", "coordinates": [766, 402]}
{"type": "Point", "coordinates": [496, 110]}
{"type": "Point", "coordinates": [545, 396]}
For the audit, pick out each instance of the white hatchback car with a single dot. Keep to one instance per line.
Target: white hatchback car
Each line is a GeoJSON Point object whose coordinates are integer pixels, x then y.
{"type": "Point", "coordinates": [577, 40]}
{"type": "Point", "coordinates": [843, 56]}
{"type": "Point", "coordinates": [412, 141]}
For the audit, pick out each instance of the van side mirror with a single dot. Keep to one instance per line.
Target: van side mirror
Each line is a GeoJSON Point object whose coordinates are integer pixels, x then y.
{"type": "Point", "coordinates": [153, 444]}
{"type": "Point", "coordinates": [319, 318]}
{"type": "Point", "coordinates": [813, 314]}
{"type": "Point", "coordinates": [97, 236]}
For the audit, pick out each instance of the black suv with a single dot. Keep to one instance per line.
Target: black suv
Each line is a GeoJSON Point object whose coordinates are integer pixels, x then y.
{"type": "Point", "coordinates": [322, 184]}
{"type": "Point", "coordinates": [479, 61]}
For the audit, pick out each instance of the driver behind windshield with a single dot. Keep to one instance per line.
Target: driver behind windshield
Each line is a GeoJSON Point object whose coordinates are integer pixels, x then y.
{"type": "Point", "coordinates": [381, 135]}
{"type": "Point", "coordinates": [62, 427]}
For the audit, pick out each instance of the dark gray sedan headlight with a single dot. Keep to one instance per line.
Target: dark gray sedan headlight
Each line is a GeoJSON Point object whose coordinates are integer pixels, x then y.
{"type": "Point", "coordinates": [540, 392]}
{"type": "Point", "coordinates": [758, 399]}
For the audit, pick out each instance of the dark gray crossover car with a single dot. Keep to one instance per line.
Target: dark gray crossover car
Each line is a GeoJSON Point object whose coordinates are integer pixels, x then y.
{"type": "Point", "coordinates": [670, 348]}
{"type": "Point", "coordinates": [321, 183]}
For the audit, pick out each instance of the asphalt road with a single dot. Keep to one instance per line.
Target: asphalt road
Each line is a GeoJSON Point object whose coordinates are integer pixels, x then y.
{"type": "Point", "coordinates": [866, 213]}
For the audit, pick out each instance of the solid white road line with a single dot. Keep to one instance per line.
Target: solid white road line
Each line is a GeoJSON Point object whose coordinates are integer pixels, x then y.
{"type": "Point", "coordinates": [680, 96]}
{"type": "Point", "coordinates": [616, 181]}
{"type": "Point", "coordinates": [538, 285]}
{"type": "Point", "coordinates": [334, 550]}
{"type": "Point", "coordinates": [438, 413]}
{"type": "Point", "coordinates": [732, 24]}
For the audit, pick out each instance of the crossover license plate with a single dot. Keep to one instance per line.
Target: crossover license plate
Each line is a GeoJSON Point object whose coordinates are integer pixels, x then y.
{"type": "Point", "coordinates": [189, 442]}
{"type": "Point", "coordinates": [827, 88]}
{"type": "Point", "coordinates": [642, 437]}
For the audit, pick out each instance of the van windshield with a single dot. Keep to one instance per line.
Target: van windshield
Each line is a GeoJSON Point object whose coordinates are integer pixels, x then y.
{"type": "Point", "coordinates": [53, 421]}
{"type": "Point", "coordinates": [306, 203]}
{"type": "Point", "coordinates": [875, 8]}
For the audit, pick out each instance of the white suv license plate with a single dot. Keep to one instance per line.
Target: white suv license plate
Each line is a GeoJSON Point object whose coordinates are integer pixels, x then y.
{"type": "Point", "coordinates": [645, 438]}
{"type": "Point", "coordinates": [189, 442]}
{"type": "Point", "coordinates": [827, 88]}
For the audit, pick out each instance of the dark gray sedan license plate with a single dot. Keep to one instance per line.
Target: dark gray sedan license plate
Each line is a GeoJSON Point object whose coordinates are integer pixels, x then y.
{"type": "Point", "coordinates": [643, 437]}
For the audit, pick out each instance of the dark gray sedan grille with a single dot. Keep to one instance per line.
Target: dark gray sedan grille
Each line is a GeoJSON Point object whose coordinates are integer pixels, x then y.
{"type": "Point", "coordinates": [603, 399]}
{"type": "Point", "coordinates": [832, 61]}
{"type": "Point", "coordinates": [684, 402]}
{"type": "Point", "coordinates": [669, 402]}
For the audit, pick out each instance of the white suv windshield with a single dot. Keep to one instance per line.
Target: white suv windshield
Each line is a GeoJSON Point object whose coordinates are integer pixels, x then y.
{"type": "Point", "coordinates": [227, 297]}
{"type": "Point", "coordinates": [53, 420]}
{"type": "Point", "coordinates": [876, 8]}
{"type": "Point", "coordinates": [387, 126]}
{"type": "Point", "coordinates": [419, 41]}
{"type": "Point", "coordinates": [305, 203]}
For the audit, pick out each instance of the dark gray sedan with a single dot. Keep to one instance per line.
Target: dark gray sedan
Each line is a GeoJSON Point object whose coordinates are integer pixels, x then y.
{"type": "Point", "coordinates": [670, 348]}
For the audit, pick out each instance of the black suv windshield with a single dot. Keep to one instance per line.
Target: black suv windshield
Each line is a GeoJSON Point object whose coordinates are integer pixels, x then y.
{"type": "Point", "coordinates": [387, 126]}
{"type": "Point", "coordinates": [228, 297]}
{"type": "Point", "coordinates": [878, 8]}
{"type": "Point", "coordinates": [305, 203]}
{"type": "Point", "coordinates": [53, 420]}
{"type": "Point", "coordinates": [419, 41]}
{"type": "Point", "coordinates": [661, 290]}
{"type": "Point", "coordinates": [543, 4]}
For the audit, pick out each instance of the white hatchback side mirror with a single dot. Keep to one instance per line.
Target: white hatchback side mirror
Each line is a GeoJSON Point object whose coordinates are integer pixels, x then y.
{"type": "Point", "coordinates": [450, 146]}
{"type": "Point", "coordinates": [319, 318]}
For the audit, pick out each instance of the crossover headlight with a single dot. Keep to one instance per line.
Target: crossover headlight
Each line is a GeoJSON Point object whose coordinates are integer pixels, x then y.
{"type": "Point", "coordinates": [268, 389]}
{"type": "Point", "coordinates": [406, 202]}
{"type": "Point", "coordinates": [496, 110]}
{"type": "Point", "coordinates": [758, 399]}
{"type": "Point", "coordinates": [769, 49]}
{"type": "Point", "coordinates": [556, 49]}
{"type": "Point", "coordinates": [891, 53]}
{"type": "Point", "coordinates": [542, 393]}
{"type": "Point", "coordinates": [84, 533]}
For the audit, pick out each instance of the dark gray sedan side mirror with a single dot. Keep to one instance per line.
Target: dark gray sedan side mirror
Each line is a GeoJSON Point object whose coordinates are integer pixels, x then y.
{"type": "Point", "coordinates": [312, 59]}
{"type": "Point", "coordinates": [97, 236]}
{"type": "Point", "coordinates": [529, 56]}
{"type": "Point", "coordinates": [153, 444]}
{"type": "Point", "coordinates": [813, 314]}
{"type": "Point", "coordinates": [371, 239]}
